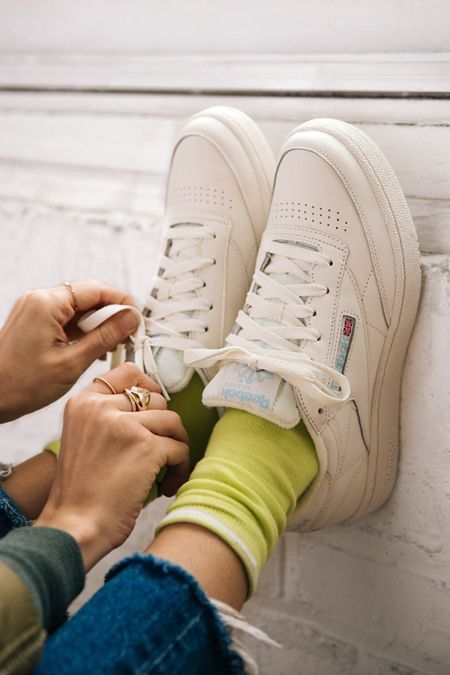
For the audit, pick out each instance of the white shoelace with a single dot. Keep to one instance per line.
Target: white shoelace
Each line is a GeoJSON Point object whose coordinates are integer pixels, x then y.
{"type": "Point", "coordinates": [174, 300]}
{"type": "Point", "coordinates": [238, 625]}
{"type": "Point", "coordinates": [272, 326]}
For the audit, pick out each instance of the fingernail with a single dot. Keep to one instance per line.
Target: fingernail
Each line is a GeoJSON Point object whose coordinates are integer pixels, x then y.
{"type": "Point", "coordinates": [128, 321]}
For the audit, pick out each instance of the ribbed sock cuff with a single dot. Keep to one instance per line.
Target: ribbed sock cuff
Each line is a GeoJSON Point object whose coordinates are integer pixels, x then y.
{"type": "Point", "coordinates": [232, 524]}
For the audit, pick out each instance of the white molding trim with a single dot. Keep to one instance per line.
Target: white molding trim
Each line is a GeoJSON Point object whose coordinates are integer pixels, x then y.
{"type": "Point", "coordinates": [377, 75]}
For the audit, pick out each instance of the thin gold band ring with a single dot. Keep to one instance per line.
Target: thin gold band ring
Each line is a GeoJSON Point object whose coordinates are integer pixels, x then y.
{"type": "Point", "coordinates": [68, 285]}
{"type": "Point", "coordinates": [102, 379]}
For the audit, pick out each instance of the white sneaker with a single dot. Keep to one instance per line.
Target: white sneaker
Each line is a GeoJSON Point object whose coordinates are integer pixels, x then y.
{"type": "Point", "coordinates": [218, 198]}
{"type": "Point", "coordinates": [325, 328]}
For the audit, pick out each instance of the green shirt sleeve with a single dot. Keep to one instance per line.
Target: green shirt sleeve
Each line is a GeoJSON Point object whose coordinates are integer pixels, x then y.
{"type": "Point", "coordinates": [49, 563]}
{"type": "Point", "coordinates": [41, 572]}
{"type": "Point", "coordinates": [21, 631]}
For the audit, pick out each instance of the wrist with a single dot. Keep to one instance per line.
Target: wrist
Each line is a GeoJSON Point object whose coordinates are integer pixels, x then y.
{"type": "Point", "coordinates": [81, 527]}
{"type": "Point", "coordinates": [29, 483]}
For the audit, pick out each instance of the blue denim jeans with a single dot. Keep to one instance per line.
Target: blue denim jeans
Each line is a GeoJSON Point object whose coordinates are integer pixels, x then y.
{"type": "Point", "coordinates": [150, 617]}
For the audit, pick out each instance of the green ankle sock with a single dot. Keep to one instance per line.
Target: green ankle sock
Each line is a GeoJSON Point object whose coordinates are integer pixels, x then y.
{"type": "Point", "coordinates": [247, 485]}
{"type": "Point", "coordinates": [198, 421]}
{"type": "Point", "coordinates": [53, 446]}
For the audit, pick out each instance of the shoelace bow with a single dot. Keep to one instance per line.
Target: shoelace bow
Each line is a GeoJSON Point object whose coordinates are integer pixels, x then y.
{"type": "Point", "coordinates": [275, 346]}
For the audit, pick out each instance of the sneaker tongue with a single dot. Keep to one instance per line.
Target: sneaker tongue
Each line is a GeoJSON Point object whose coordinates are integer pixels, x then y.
{"type": "Point", "coordinates": [258, 392]}
{"type": "Point", "coordinates": [171, 368]}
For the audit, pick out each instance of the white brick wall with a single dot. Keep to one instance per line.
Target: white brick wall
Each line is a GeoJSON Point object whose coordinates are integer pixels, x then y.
{"type": "Point", "coordinates": [374, 598]}
{"type": "Point", "coordinates": [81, 190]}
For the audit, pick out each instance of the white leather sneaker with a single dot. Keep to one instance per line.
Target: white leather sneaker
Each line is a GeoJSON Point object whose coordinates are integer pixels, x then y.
{"type": "Point", "coordinates": [218, 197]}
{"type": "Point", "coordinates": [325, 328]}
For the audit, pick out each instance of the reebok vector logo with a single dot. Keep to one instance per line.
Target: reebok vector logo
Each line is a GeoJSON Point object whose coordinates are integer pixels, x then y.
{"type": "Point", "coordinates": [245, 374]}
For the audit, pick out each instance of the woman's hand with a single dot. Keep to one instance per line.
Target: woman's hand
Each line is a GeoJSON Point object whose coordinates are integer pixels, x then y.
{"type": "Point", "coordinates": [109, 460]}
{"type": "Point", "coordinates": [43, 353]}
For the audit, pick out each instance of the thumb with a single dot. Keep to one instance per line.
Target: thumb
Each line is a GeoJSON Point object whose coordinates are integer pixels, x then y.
{"type": "Point", "coordinates": [104, 338]}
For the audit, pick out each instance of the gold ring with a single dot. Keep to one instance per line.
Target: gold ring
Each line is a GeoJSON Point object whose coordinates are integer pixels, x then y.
{"type": "Point", "coordinates": [139, 398]}
{"type": "Point", "coordinates": [102, 379]}
{"type": "Point", "coordinates": [130, 397]}
{"type": "Point", "coordinates": [68, 285]}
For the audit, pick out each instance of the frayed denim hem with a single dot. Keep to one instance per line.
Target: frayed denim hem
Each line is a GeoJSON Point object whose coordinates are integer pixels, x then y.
{"type": "Point", "coordinates": [151, 618]}
{"type": "Point", "coordinates": [160, 567]}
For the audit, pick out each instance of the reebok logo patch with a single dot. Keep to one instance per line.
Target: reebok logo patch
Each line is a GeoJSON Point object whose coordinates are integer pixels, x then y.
{"type": "Point", "coordinates": [347, 332]}
{"type": "Point", "coordinates": [240, 383]}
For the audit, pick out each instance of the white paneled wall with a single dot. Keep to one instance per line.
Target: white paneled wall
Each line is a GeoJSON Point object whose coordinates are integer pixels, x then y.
{"type": "Point", "coordinates": [215, 26]}
{"type": "Point", "coordinates": [91, 98]}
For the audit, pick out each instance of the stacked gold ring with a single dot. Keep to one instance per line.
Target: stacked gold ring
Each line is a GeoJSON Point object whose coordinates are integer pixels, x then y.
{"type": "Point", "coordinates": [139, 398]}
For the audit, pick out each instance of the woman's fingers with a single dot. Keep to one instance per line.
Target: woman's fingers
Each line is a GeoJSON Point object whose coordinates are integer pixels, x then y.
{"type": "Point", "coordinates": [176, 454]}
{"type": "Point", "coordinates": [105, 337]}
{"type": "Point", "coordinates": [91, 294]}
{"type": "Point", "coordinates": [163, 423]}
{"type": "Point", "coordinates": [122, 402]}
{"type": "Point", "coordinates": [123, 377]}
{"type": "Point", "coordinates": [173, 443]}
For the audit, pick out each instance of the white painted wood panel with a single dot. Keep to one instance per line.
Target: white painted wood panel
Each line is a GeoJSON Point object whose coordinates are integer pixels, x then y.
{"type": "Point", "coordinates": [397, 75]}
{"type": "Point", "coordinates": [198, 26]}
{"type": "Point", "coordinates": [106, 159]}
{"type": "Point", "coordinates": [355, 109]}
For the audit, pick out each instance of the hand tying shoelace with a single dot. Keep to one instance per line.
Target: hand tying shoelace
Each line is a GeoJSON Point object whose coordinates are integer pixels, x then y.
{"type": "Point", "coordinates": [270, 330]}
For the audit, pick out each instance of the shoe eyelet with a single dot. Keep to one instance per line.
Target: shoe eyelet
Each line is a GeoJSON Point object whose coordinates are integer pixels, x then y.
{"type": "Point", "coordinates": [206, 329]}
{"type": "Point", "coordinates": [319, 338]}
{"type": "Point", "coordinates": [211, 307]}
{"type": "Point", "coordinates": [328, 290]}
{"type": "Point", "coordinates": [214, 262]}
{"type": "Point", "coordinates": [204, 284]}
{"type": "Point", "coordinates": [330, 263]}
{"type": "Point", "coordinates": [320, 411]}
{"type": "Point", "coordinates": [314, 313]}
